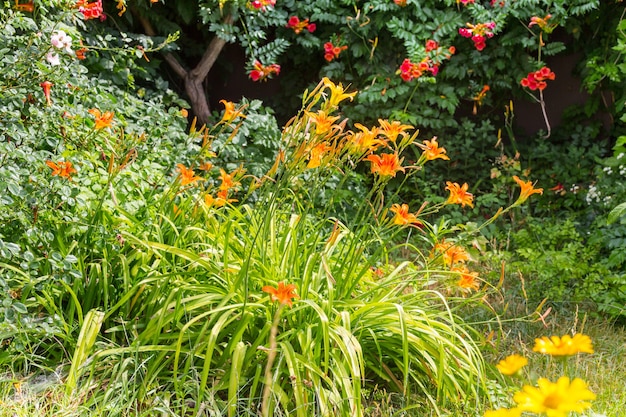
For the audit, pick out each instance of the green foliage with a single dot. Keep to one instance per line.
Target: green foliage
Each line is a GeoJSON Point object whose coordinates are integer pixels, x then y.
{"type": "Point", "coordinates": [138, 259]}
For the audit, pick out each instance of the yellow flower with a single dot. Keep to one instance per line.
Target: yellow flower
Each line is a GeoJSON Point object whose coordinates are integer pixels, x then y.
{"type": "Point", "coordinates": [364, 141]}
{"type": "Point", "coordinates": [459, 194]}
{"type": "Point", "coordinates": [337, 94]}
{"type": "Point", "coordinates": [564, 346]}
{"type": "Point", "coordinates": [323, 122]}
{"type": "Point", "coordinates": [102, 119]}
{"type": "Point", "coordinates": [283, 294]}
{"type": "Point", "coordinates": [527, 189]}
{"type": "Point", "coordinates": [402, 216]}
{"type": "Point", "coordinates": [394, 129]}
{"type": "Point", "coordinates": [504, 412]}
{"type": "Point", "coordinates": [121, 6]}
{"type": "Point", "coordinates": [230, 113]}
{"type": "Point", "coordinates": [511, 364]}
{"type": "Point", "coordinates": [555, 399]}
{"type": "Point", "coordinates": [432, 150]}
{"type": "Point", "coordinates": [187, 176]}
{"type": "Point", "coordinates": [386, 165]}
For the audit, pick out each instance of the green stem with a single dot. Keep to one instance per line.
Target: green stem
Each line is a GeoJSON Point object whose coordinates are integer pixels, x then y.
{"type": "Point", "coordinates": [271, 356]}
{"type": "Point", "coordinates": [406, 106]}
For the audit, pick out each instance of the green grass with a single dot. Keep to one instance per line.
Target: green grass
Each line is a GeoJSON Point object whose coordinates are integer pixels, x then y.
{"type": "Point", "coordinates": [603, 371]}
{"type": "Point", "coordinates": [45, 395]}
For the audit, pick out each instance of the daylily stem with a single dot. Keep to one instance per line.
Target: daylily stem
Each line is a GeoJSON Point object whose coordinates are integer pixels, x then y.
{"type": "Point", "coordinates": [271, 356]}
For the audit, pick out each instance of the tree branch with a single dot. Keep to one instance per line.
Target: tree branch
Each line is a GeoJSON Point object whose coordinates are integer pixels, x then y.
{"type": "Point", "coordinates": [210, 55]}
{"type": "Point", "coordinates": [193, 79]}
{"type": "Point", "coordinates": [169, 58]}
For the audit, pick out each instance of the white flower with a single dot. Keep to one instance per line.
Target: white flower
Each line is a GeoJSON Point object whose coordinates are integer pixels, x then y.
{"type": "Point", "coordinates": [52, 58]}
{"type": "Point", "coordinates": [61, 40]}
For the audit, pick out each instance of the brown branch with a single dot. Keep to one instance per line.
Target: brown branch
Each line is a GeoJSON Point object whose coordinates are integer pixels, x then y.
{"type": "Point", "coordinates": [170, 58]}
{"type": "Point", "coordinates": [210, 55]}
{"type": "Point", "coordinates": [193, 79]}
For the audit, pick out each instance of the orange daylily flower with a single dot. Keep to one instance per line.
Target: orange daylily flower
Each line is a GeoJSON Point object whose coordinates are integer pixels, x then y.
{"type": "Point", "coordinates": [459, 194]}
{"type": "Point", "coordinates": [432, 150]}
{"type": "Point", "coordinates": [402, 216]}
{"type": "Point", "coordinates": [63, 169]}
{"type": "Point", "coordinates": [468, 280]}
{"type": "Point", "coordinates": [364, 141]}
{"type": "Point", "coordinates": [385, 165]}
{"type": "Point", "coordinates": [452, 254]}
{"type": "Point", "coordinates": [393, 129]}
{"type": "Point", "coordinates": [205, 166]}
{"type": "Point", "coordinates": [337, 94]}
{"type": "Point", "coordinates": [527, 189]}
{"type": "Point", "coordinates": [220, 200]}
{"type": "Point", "coordinates": [227, 179]}
{"type": "Point", "coordinates": [317, 154]}
{"type": "Point", "coordinates": [284, 293]}
{"type": "Point", "coordinates": [323, 122]}
{"type": "Point", "coordinates": [102, 119]}
{"type": "Point", "coordinates": [230, 113]}
{"type": "Point", "coordinates": [187, 176]}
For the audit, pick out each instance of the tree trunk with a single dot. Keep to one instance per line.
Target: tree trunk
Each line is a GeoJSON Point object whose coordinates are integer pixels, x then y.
{"type": "Point", "coordinates": [193, 78]}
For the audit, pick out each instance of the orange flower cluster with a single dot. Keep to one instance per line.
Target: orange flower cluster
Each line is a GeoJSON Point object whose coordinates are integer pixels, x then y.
{"type": "Point", "coordinates": [455, 257]}
{"type": "Point", "coordinates": [542, 22]}
{"type": "Point", "coordinates": [29, 6]}
{"type": "Point", "coordinates": [262, 72]}
{"type": "Point", "coordinates": [228, 182]}
{"type": "Point", "coordinates": [537, 80]}
{"type": "Point", "coordinates": [429, 64]}
{"type": "Point", "coordinates": [187, 176]}
{"type": "Point", "coordinates": [332, 52]}
{"type": "Point", "coordinates": [299, 25]}
{"type": "Point", "coordinates": [93, 10]}
{"type": "Point", "coordinates": [63, 169]}
{"type": "Point", "coordinates": [478, 33]}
